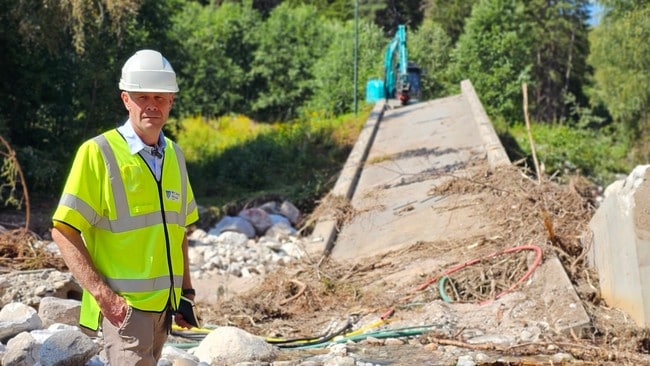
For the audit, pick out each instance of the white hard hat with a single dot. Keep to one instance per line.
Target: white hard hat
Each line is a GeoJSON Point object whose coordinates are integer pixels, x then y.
{"type": "Point", "coordinates": [148, 71]}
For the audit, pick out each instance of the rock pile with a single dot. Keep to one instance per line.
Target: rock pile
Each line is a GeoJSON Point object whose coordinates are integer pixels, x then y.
{"type": "Point", "coordinates": [29, 343]}
{"type": "Point", "coordinates": [271, 219]}
{"type": "Point", "coordinates": [256, 241]}
{"type": "Point", "coordinates": [40, 309]}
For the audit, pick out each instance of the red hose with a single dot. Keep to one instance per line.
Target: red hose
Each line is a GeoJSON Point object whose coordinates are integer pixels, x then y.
{"type": "Point", "coordinates": [456, 268]}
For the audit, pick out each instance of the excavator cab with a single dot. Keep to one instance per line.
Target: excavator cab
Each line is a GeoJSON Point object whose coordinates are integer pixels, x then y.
{"type": "Point", "coordinates": [414, 74]}
{"type": "Point", "coordinates": [407, 87]}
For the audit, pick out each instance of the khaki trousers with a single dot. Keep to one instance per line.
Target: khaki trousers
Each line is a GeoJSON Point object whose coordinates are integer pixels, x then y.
{"type": "Point", "coordinates": [140, 339]}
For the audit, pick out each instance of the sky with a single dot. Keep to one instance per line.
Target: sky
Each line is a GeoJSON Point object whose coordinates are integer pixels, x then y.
{"type": "Point", "coordinates": [595, 10]}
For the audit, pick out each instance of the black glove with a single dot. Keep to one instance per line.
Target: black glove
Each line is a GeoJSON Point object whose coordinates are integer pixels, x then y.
{"type": "Point", "coordinates": [189, 312]}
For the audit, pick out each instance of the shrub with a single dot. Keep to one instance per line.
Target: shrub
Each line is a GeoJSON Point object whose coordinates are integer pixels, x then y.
{"type": "Point", "coordinates": [598, 154]}
{"type": "Point", "coordinates": [235, 158]}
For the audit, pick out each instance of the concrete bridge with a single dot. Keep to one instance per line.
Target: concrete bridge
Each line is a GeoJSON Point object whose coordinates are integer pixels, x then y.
{"type": "Point", "coordinates": [404, 151]}
{"type": "Point", "coordinates": [408, 148]}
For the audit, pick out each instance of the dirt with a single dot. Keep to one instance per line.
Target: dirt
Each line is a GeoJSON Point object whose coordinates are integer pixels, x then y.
{"type": "Point", "coordinates": [304, 299]}
{"type": "Point", "coordinates": [309, 297]}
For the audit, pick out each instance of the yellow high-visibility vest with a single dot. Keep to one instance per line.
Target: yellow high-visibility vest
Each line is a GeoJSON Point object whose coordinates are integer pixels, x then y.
{"type": "Point", "coordinates": [132, 225]}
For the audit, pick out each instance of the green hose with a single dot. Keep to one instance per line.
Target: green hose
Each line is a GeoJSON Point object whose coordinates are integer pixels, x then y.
{"type": "Point", "coordinates": [392, 333]}
{"type": "Point", "coordinates": [441, 289]}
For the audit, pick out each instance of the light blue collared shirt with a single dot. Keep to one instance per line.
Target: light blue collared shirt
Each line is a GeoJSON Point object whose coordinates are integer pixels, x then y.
{"type": "Point", "coordinates": [137, 146]}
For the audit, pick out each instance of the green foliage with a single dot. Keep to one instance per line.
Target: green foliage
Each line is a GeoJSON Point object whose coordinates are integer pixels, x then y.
{"type": "Point", "coordinates": [298, 160]}
{"type": "Point", "coordinates": [340, 10]}
{"type": "Point", "coordinates": [9, 183]}
{"type": "Point", "coordinates": [429, 48]}
{"type": "Point", "coordinates": [560, 49]}
{"type": "Point", "coordinates": [561, 148]}
{"type": "Point", "coordinates": [216, 45]}
{"type": "Point", "coordinates": [617, 8]}
{"type": "Point", "coordinates": [204, 139]}
{"type": "Point", "coordinates": [43, 172]}
{"type": "Point", "coordinates": [510, 42]}
{"type": "Point", "coordinates": [334, 72]}
{"type": "Point", "coordinates": [290, 41]}
{"type": "Point", "coordinates": [56, 25]}
{"type": "Point", "coordinates": [495, 53]}
{"type": "Point", "coordinates": [370, 9]}
{"type": "Point", "coordinates": [620, 55]}
{"type": "Point", "coordinates": [396, 12]}
{"type": "Point", "coordinates": [450, 15]}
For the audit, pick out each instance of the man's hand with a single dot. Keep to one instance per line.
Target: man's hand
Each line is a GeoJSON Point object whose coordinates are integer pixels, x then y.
{"type": "Point", "coordinates": [113, 307]}
{"type": "Point", "coordinates": [178, 316]}
{"type": "Point", "coordinates": [76, 257]}
{"type": "Point", "coordinates": [181, 322]}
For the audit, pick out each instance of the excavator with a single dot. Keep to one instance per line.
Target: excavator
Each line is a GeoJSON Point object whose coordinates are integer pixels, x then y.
{"type": "Point", "coordinates": [401, 78]}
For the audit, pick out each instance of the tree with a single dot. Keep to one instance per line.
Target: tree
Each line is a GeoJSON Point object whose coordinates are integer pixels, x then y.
{"type": "Point", "coordinates": [290, 42]}
{"type": "Point", "coordinates": [542, 42]}
{"type": "Point", "coordinates": [329, 9]}
{"type": "Point", "coordinates": [396, 12]}
{"type": "Point", "coordinates": [369, 9]}
{"type": "Point", "coordinates": [333, 73]}
{"type": "Point", "coordinates": [621, 60]}
{"type": "Point", "coordinates": [495, 53]}
{"type": "Point", "coordinates": [560, 49]}
{"type": "Point", "coordinates": [429, 48]}
{"type": "Point", "coordinates": [215, 50]}
{"type": "Point", "coordinates": [451, 15]}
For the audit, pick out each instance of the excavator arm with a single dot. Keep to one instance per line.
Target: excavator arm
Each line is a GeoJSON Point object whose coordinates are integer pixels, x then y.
{"type": "Point", "coordinates": [396, 77]}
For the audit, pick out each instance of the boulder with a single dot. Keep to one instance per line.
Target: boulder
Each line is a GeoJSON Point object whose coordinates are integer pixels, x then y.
{"type": "Point", "coordinates": [231, 345]}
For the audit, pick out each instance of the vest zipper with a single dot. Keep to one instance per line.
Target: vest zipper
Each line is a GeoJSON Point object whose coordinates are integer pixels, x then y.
{"type": "Point", "coordinates": [172, 294]}
{"type": "Point", "coordinates": [171, 300]}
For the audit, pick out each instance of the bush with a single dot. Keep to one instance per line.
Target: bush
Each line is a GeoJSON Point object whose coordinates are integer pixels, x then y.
{"type": "Point", "coordinates": [564, 150]}
{"type": "Point", "coordinates": [235, 158]}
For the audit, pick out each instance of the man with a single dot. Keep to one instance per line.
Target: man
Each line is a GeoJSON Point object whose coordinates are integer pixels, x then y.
{"type": "Point", "coordinates": [120, 223]}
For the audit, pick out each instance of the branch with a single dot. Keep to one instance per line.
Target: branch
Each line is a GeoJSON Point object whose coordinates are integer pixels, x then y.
{"type": "Point", "coordinates": [11, 155]}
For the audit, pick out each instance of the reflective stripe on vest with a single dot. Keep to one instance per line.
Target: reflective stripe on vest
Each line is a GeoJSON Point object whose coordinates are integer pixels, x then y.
{"type": "Point", "coordinates": [124, 221]}
{"type": "Point", "coordinates": [135, 285]}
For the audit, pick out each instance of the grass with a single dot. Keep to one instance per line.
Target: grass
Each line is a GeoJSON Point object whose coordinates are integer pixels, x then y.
{"type": "Point", "coordinates": [565, 150]}
{"type": "Point", "coordinates": [235, 161]}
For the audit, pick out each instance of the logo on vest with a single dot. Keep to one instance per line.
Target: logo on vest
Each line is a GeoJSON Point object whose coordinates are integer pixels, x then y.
{"type": "Point", "coordinates": [172, 196]}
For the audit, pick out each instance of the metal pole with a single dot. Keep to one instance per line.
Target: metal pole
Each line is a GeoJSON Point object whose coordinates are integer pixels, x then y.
{"type": "Point", "coordinates": [356, 53]}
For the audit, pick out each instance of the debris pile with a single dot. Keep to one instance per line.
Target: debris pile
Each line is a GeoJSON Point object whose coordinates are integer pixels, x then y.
{"type": "Point", "coordinates": [304, 303]}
